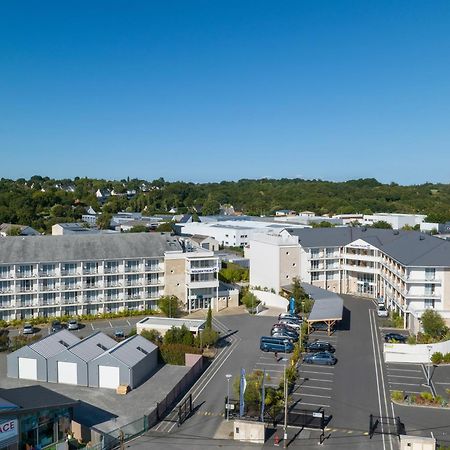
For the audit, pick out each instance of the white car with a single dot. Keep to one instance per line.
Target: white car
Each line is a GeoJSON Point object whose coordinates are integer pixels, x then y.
{"type": "Point", "coordinates": [382, 311]}
{"type": "Point", "coordinates": [291, 323]}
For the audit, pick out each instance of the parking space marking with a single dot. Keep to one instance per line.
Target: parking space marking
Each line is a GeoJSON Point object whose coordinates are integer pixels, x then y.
{"type": "Point", "coordinates": [110, 324]}
{"type": "Point", "coordinates": [403, 370]}
{"type": "Point", "coordinates": [437, 382]}
{"type": "Point", "coordinates": [406, 377]}
{"type": "Point", "coordinates": [267, 364]}
{"type": "Point", "coordinates": [310, 395]}
{"type": "Point", "coordinates": [315, 387]}
{"type": "Point", "coordinates": [405, 384]}
{"type": "Point", "coordinates": [315, 379]}
{"type": "Point", "coordinates": [315, 404]}
{"type": "Point", "coordinates": [321, 373]}
{"type": "Point", "coordinates": [92, 325]}
{"type": "Point", "coordinates": [128, 322]}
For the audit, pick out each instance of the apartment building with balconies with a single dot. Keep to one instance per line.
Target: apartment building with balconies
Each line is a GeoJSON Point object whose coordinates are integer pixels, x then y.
{"type": "Point", "coordinates": [51, 276]}
{"type": "Point", "coordinates": [409, 270]}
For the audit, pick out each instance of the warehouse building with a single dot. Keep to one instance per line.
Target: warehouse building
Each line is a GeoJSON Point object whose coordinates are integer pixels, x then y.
{"type": "Point", "coordinates": [129, 363]}
{"type": "Point", "coordinates": [70, 366]}
{"type": "Point", "coordinates": [31, 361]}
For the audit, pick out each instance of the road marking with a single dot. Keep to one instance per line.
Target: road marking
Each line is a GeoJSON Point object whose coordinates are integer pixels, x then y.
{"type": "Point", "coordinates": [268, 364]}
{"type": "Point", "coordinates": [310, 395]}
{"type": "Point", "coordinates": [92, 325]}
{"type": "Point", "coordinates": [128, 322]}
{"type": "Point", "coordinates": [404, 370]}
{"type": "Point", "coordinates": [315, 387]}
{"type": "Point", "coordinates": [315, 379]}
{"type": "Point", "coordinates": [315, 404]}
{"type": "Point", "coordinates": [321, 373]}
{"type": "Point", "coordinates": [110, 324]}
{"type": "Point", "coordinates": [437, 382]}
{"type": "Point", "coordinates": [406, 384]}
{"type": "Point", "coordinates": [376, 375]}
{"type": "Point", "coordinates": [406, 377]}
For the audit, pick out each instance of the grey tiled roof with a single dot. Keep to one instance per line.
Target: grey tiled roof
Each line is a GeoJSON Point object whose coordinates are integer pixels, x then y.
{"type": "Point", "coordinates": [85, 247]}
{"type": "Point", "coordinates": [51, 345]}
{"type": "Point", "coordinates": [410, 248]}
{"type": "Point", "coordinates": [92, 346]}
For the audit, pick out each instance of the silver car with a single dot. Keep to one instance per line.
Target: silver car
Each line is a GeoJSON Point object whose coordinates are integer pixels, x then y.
{"type": "Point", "coordinates": [28, 329]}
{"type": "Point", "coordinates": [73, 325]}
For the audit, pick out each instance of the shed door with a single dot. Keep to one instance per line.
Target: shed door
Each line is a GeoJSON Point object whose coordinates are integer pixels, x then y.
{"type": "Point", "coordinates": [28, 368]}
{"type": "Point", "coordinates": [67, 372]}
{"type": "Point", "coordinates": [108, 377]}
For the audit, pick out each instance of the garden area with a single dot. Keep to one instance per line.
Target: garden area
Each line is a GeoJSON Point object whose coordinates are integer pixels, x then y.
{"type": "Point", "coordinates": [422, 399]}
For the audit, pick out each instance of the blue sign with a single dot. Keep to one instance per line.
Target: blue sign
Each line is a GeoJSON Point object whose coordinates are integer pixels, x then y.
{"type": "Point", "coordinates": [292, 305]}
{"type": "Point", "coordinates": [243, 385]}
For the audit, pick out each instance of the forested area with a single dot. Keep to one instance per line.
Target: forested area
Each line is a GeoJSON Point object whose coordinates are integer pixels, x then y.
{"type": "Point", "coordinates": [41, 201]}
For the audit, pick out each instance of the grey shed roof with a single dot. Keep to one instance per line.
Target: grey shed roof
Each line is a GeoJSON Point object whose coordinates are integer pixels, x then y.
{"type": "Point", "coordinates": [74, 247]}
{"type": "Point", "coordinates": [92, 346]}
{"type": "Point", "coordinates": [410, 248]}
{"type": "Point", "coordinates": [132, 350]}
{"type": "Point", "coordinates": [327, 305]}
{"type": "Point", "coordinates": [54, 343]}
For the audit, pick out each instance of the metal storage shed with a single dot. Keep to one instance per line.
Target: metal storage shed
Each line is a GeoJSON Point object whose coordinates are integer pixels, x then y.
{"type": "Point", "coordinates": [130, 362]}
{"type": "Point", "coordinates": [31, 361]}
{"type": "Point", "coordinates": [71, 365]}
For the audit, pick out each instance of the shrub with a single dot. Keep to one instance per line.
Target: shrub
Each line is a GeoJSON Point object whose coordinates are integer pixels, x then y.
{"type": "Point", "coordinates": [436, 358]}
{"type": "Point", "coordinates": [170, 306]}
{"type": "Point", "coordinates": [397, 396]}
{"type": "Point", "coordinates": [426, 396]}
{"type": "Point", "coordinates": [433, 324]}
{"type": "Point", "coordinates": [4, 340]}
{"type": "Point", "coordinates": [207, 338]}
{"type": "Point", "coordinates": [250, 300]}
{"type": "Point", "coordinates": [174, 353]}
{"type": "Point", "coordinates": [446, 358]}
{"type": "Point", "coordinates": [179, 335]}
{"type": "Point", "coordinates": [152, 335]}
{"type": "Point", "coordinates": [21, 340]}
{"type": "Point", "coordinates": [411, 340]}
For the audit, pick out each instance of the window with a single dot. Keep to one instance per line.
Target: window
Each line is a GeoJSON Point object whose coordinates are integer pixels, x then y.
{"type": "Point", "coordinates": [315, 276]}
{"type": "Point", "coordinates": [315, 265]}
{"type": "Point", "coordinates": [430, 273]}
{"type": "Point", "coordinates": [428, 303]}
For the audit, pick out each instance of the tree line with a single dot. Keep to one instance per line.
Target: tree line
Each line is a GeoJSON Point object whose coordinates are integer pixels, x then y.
{"type": "Point", "coordinates": [41, 202]}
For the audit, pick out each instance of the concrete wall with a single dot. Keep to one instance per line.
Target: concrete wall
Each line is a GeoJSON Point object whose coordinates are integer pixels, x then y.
{"type": "Point", "coordinates": [12, 361]}
{"type": "Point", "coordinates": [418, 353]}
{"type": "Point", "coordinates": [417, 443]}
{"type": "Point", "coordinates": [249, 431]}
{"type": "Point", "coordinates": [271, 300]}
{"type": "Point", "coordinates": [66, 356]}
{"type": "Point", "coordinates": [175, 278]}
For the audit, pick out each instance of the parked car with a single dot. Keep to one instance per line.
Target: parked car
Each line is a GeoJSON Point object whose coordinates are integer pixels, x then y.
{"type": "Point", "coordinates": [285, 330]}
{"type": "Point", "coordinates": [324, 358]}
{"type": "Point", "coordinates": [319, 326]}
{"type": "Point", "coordinates": [73, 325]}
{"type": "Point", "coordinates": [119, 333]}
{"type": "Point", "coordinates": [395, 337]}
{"type": "Point", "coordinates": [380, 301]}
{"type": "Point", "coordinates": [320, 346]}
{"type": "Point", "coordinates": [289, 316]}
{"type": "Point", "coordinates": [284, 336]}
{"type": "Point", "coordinates": [382, 311]}
{"type": "Point", "coordinates": [291, 323]}
{"type": "Point", "coordinates": [276, 344]}
{"type": "Point", "coordinates": [56, 326]}
{"type": "Point", "coordinates": [28, 329]}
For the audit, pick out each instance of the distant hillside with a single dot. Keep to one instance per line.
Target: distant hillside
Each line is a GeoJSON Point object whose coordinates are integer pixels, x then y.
{"type": "Point", "coordinates": [42, 201]}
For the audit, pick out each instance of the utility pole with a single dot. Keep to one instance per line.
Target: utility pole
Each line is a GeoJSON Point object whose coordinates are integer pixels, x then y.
{"type": "Point", "coordinates": [285, 436]}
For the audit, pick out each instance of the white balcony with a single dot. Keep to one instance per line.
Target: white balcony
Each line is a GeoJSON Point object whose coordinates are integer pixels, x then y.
{"type": "Point", "coordinates": [358, 257]}
{"type": "Point", "coordinates": [202, 284]}
{"type": "Point", "coordinates": [361, 269]}
{"type": "Point", "coordinates": [211, 269]}
{"type": "Point", "coordinates": [429, 294]}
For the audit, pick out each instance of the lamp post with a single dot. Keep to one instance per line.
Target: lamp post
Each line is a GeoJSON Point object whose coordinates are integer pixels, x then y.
{"type": "Point", "coordinates": [228, 377]}
{"type": "Point", "coordinates": [429, 347]}
{"type": "Point", "coordinates": [285, 400]}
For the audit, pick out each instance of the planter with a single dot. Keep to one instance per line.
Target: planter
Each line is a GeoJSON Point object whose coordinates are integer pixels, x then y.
{"type": "Point", "coordinates": [415, 405]}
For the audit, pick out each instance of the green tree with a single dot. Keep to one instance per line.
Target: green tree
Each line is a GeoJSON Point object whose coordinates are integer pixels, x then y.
{"type": "Point", "coordinates": [165, 227]}
{"type": "Point", "coordinates": [250, 300]}
{"type": "Point", "coordinates": [104, 220]}
{"type": "Point", "coordinates": [382, 224]}
{"type": "Point", "coordinates": [14, 231]}
{"type": "Point", "coordinates": [139, 229]}
{"type": "Point", "coordinates": [179, 335]}
{"type": "Point", "coordinates": [207, 338]}
{"type": "Point", "coordinates": [433, 324]}
{"type": "Point", "coordinates": [208, 324]}
{"type": "Point", "coordinates": [170, 305]}
{"type": "Point", "coordinates": [152, 336]}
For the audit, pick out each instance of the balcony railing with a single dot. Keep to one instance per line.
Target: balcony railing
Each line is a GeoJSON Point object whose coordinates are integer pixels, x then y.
{"type": "Point", "coordinates": [47, 273]}
{"type": "Point", "coordinates": [25, 274]}
{"type": "Point", "coordinates": [133, 269]}
{"type": "Point", "coordinates": [153, 268]}
{"type": "Point", "coordinates": [70, 287]}
{"type": "Point", "coordinates": [72, 273]}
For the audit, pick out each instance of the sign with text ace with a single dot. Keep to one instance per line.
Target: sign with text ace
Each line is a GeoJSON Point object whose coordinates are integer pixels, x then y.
{"type": "Point", "coordinates": [8, 429]}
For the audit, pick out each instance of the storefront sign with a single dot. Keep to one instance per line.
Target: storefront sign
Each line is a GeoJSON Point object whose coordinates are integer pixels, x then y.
{"type": "Point", "coordinates": [8, 429]}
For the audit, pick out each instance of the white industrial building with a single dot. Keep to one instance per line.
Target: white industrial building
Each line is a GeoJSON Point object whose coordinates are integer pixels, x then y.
{"type": "Point", "coordinates": [408, 269]}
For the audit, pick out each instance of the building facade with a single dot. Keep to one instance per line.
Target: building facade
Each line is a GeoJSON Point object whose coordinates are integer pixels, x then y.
{"type": "Point", "coordinates": [410, 271]}
{"type": "Point", "coordinates": [48, 276]}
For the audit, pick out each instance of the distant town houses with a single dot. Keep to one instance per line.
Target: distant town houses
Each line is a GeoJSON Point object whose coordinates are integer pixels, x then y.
{"type": "Point", "coordinates": [11, 229]}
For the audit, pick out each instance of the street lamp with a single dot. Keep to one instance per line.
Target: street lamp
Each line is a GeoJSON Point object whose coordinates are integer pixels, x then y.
{"type": "Point", "coordinates": [429, 347]}
{"type": "Point", "coordinates": [285, 400]}
{"type": "Point", "coordinates": [228, 377]}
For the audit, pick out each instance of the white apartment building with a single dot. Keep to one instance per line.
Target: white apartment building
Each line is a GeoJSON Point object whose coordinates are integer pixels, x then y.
{"type": "Point", "coordinates": [93, 274]}
{"type": "Point", "coordinates": [409, 270]}
{"type": "Point", "coordinates": [397, 221]}
{"type": "Point", "coordinates": [232, 233]}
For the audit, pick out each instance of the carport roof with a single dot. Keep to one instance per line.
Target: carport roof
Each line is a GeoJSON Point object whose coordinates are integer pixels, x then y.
{"type": "Point", "coordinates": [327, 305]}
{"type": "Point", "coordinates": [54, 343]}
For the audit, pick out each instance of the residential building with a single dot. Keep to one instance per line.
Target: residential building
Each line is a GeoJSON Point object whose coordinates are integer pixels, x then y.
{"type": "Point", "coordinates": [47, 276]}
{"type": "Point", "coordinates": [6, 229]}
{"type": "Point", "coordinates": [285, 212]}
{"type": "Point", "coordinates": [72, 228]}
{"type": "Point", "coordinates": [397, 221]}
{"type": "Point", "coordinates": [408, 269]}
{"type": "Point", "coordinates": [201, 242]}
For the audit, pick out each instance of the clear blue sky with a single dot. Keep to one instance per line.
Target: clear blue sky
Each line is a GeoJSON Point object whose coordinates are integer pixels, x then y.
{"type": "Point", "coordinates": [206, 90]}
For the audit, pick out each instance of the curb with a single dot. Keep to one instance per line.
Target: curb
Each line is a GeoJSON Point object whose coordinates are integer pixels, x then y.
{"type": "Point", "coordinates": [445, 408]}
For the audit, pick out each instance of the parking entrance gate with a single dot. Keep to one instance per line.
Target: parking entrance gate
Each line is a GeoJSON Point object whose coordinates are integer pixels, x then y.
{"type": "Point", "coordinates": [385, 425]}
{"type": "Point", "coordinates": [184, 410]}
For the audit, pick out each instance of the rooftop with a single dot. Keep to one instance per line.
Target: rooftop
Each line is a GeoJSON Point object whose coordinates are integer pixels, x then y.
{"type": "Point", "coordinates": [85, 247]}
{"type": "Point", "coordinates": [54, 343]}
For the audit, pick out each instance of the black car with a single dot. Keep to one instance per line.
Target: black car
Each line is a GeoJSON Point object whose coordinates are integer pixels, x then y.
{"type": "Point", "coordinates": [319, 326]}
{"type": "Point", "coordinates": [56, 326]}
{"type": "Point", "coordinates": [395, 337]}
{"type": "Point", "coordinates": [320, 346]}
{"type": "Point", "coordinates": [323, 358]}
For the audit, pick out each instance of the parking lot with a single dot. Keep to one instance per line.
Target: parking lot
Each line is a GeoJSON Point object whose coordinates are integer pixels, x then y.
{"type": "Point", "coordinates": [409, 378]}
